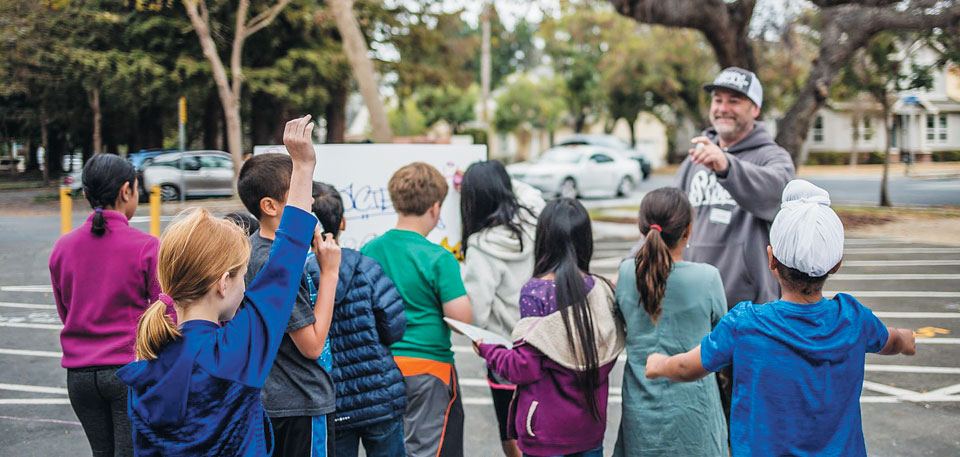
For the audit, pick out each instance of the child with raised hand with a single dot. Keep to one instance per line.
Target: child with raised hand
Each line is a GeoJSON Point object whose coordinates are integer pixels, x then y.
{"type": "Point", "coordinates": [798, 362]}
{"type": "Point", "coordinates": [566, 342]}
{"type": "Point", "coordinates": [99, 305]}
{"type": "Point", "coordinates": [668, 305]}
{"type": "Point", "coordinates": [195, 389]}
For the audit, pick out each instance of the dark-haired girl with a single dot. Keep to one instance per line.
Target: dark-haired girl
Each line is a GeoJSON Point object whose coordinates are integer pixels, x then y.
{"type": "Point", "coordinates": [668, 306]}
{"type": "Point", "coordinates": [499, 222]}
{"type": "Point", "coordinates": [104, 275]}
{"type": "Point", "coordinates": [565, 344]}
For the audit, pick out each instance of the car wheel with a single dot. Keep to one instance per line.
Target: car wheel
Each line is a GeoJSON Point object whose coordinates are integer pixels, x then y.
{"type": "Point", "coordinates": [169, 193]}
{"type": "Point", "coordinates": [645, 168]}
{"type": "Point", "coordinates": [568, 189]}
{"type": "Point", "coordinates": [625, 188]}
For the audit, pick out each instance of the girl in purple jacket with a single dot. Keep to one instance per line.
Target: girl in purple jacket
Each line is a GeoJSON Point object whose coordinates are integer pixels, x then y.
{"type": "Point", "coordinates": [104, 275]}
{"type": "Point", "coordinates": [565, 344]}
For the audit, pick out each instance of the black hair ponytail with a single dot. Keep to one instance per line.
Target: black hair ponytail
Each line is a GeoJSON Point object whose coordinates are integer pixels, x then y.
{"type": "Point", "coordinates": [564, 246]}
{"type": "Point", "coordinates": [103, 177]}
{"type": "Point", "coordinates": [665, 215]}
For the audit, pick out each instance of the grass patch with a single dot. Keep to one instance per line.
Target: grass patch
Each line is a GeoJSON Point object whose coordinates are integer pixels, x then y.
{"type": "Point", "coordinates": [54, 196]}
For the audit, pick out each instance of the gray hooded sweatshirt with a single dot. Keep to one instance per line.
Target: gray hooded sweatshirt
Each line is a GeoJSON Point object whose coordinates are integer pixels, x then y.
{"type": "Point", "coordinates": [733, 213]}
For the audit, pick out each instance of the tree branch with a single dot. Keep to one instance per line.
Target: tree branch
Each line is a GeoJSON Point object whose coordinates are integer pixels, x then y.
{"type": "Point", "coordinates": [265, 18]}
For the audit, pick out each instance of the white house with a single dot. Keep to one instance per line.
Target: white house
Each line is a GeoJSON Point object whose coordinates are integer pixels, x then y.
{"type": "Point", "coordinates": [923, 123]}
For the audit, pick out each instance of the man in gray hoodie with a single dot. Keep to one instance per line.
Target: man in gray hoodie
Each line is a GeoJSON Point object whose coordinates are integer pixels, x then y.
{"type": "Point", "coordinates": [734, 176]}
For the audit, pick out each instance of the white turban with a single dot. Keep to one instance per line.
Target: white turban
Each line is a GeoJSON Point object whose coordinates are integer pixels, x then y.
{"type": "Point", "coordinates": [807, 235]}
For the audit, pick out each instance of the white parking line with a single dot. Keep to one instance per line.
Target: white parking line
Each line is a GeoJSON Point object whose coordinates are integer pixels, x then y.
{"type": "Point", "coordinates": [40, 288]}
{"type": "Point", "coordinates": [891, 277]}
{"type": "Point", "coordinates": [901, 263]}
{"type": "Point", "coordinates": [911, 369]}
{"type": "Point", "coordinates": [26, 305]}
{"type": "Point", "coordinates": [141, 219]}
{"type": "Point", "coordinates": [911, 315]}
{"type": "Point", "coordinates": [34, 389]}
{"type": "Point", "coordinates": [938, 340]}
{"type": "Point", "coordinates": [902, 251]}
{"type": "Point", "coordinates": [34, 401]}
{"type": "Point", "coordinates": [30, 353]}
{"type": "Point", "coordinates": [895, 293]}
{"type": "Point", "coordinates": [28, 325]}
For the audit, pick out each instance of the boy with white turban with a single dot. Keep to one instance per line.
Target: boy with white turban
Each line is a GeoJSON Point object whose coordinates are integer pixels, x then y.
{"type": "Point", "coordinates": [798, 361]}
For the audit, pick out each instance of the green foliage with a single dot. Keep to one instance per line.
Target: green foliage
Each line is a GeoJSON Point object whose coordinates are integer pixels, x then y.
{"type": "Point", "coordinates": [526, 105]}
{"type": "Point", "coordinates": [448, 103]}
{"type": "Point", "coordinates": [407, 120]}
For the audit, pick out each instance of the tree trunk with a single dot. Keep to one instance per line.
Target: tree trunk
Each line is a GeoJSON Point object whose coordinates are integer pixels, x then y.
{"type": "Point", "coordinates": [855, 121]}
{"type": "Point", "coordinates": [45, 143]}
{"type": "Point", "coordinates": [633, 133]}
{"type": "Point", "coordinates": [579, 122]}
{"type": "Point", "coordinates": [230, 92]}
{"type": "Point", "coordinates": [336, 114]}
{"type": "Point", "coordinates": [523, 145]}
{"type": "Point", "coordinates": [884, 195]}
{"type": "Point", "coordinates": [97, 120]}
{"type": "Point", "coordinates": [355, 47]}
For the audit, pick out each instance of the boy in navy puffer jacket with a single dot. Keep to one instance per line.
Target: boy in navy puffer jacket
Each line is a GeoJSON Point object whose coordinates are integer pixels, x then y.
{"type": "Point", "coordinates": [368, 316]}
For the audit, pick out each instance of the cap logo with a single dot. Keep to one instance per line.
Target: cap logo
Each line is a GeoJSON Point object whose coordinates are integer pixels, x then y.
{"type": "Point", "coordinates": [733, 78]}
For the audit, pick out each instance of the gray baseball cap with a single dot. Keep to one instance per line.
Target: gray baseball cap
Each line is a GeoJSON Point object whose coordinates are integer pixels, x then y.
{"type": "Point", "coordinates": [738, 80]}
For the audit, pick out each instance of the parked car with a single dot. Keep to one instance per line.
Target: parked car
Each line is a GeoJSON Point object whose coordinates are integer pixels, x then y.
{"type": "Point", "coordinates": [612, 142]}
{"type": "Point", "coordinates": [9, 164]}
{"type": "Point", "coordinates": [137, 158]}
{"type": "Point", "coordinates": [579, 171]}
{"type": "Point", "coordinates": [199, 174]}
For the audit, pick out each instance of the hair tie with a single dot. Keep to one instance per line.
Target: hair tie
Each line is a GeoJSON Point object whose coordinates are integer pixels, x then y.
{"type": "Point", "coordinates": [657, 228]}
{"type": "Point", "coordinates": [166, 299]}
{"type": "Point", "coordinates": [98, 210]}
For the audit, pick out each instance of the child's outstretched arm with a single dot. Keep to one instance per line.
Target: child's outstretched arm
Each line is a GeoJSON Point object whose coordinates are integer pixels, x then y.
{"type": "Point", "coordinates": [684, 367]}
{"type": "Point", "coordinates": [900, 341]}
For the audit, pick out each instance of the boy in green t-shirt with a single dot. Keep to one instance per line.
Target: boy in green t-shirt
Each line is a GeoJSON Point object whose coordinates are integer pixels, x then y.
{"type": "Point", "coordinates": [428, 278]}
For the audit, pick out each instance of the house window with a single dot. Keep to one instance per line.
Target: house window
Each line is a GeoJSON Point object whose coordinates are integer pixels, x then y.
{"type": "Point", "coordinates": [942, 130]}
{"type": "Point", "coordinates": [818, 130]}
{"type": "Point", "coordinates": [867, 129]}
{"type": "Point", "coordinates": [931, 131]}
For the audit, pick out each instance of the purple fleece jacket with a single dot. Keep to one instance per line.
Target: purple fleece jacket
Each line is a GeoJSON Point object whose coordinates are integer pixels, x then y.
{"type": "Point", "coordinates": [102, 284]}
{"type": "Point", "coordinates": [548, 415]}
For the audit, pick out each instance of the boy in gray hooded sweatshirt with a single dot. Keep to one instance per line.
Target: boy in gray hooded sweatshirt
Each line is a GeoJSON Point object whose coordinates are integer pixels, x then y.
{"type": "Point", "coordinates": [734, 177]}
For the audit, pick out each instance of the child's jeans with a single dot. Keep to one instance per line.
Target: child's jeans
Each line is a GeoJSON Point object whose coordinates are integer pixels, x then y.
{"type": "Point", "coordinates": [598, 452]}
{"type": "Point", "coordinates": [382, 439]}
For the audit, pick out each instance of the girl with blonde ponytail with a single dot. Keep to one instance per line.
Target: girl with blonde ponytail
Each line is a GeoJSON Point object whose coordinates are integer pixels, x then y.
{"type": "Point", "coordinates": [195, 388]}
{"type": "Point", "coordinates": [668, 306]}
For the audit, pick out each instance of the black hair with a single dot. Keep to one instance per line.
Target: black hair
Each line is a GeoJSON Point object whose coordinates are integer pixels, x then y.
{"type": "Point", "coordinates": [262, 176]}
{"type": "Point", "coordinates": [487, 200]}
{"type": "Point", "coordinates": [328, 207]}
{"type": "Point", "coordinates": [245, 220]}
{"type": "Point", "coordinates": [670, 210]}
{"type": "Point", "coordinates": [799, 281]}
{"type": "Point", "coordinates": [563, 246]}
{"type": "Point", "coordinates": [103, 177]}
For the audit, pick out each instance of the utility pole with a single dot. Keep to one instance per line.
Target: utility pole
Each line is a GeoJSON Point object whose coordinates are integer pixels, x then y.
{"type": "Point", "coordinates": [485, 69]}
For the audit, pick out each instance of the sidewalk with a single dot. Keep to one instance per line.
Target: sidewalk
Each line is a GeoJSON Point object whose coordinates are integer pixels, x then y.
{"type": "Point", "coordinates": [929, 170]}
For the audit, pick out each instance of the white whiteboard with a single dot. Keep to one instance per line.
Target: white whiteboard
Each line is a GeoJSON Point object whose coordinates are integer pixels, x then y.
{"type": "Point", "coordinates": [360, 172]}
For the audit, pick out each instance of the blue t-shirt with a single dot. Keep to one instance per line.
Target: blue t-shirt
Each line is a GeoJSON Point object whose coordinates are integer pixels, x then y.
{"type": "Point", "coordinates": [797, 374]}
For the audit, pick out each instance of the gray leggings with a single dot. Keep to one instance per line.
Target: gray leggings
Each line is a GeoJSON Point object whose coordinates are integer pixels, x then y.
{"type": "Point", "coordinates": [100, 401]}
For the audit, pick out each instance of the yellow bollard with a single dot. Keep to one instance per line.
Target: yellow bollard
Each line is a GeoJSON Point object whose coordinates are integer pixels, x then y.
{"type": "Point", "coordinates": [155, 211]}
{"type": "Point", "coordinates": [66, 209]}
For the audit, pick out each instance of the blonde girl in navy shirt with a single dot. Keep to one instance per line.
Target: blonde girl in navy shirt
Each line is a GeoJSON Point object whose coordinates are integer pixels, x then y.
{"type": "Point", "coordinates": [195, 389]}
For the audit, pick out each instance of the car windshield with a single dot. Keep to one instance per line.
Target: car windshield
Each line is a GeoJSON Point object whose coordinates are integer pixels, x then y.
{"type": "Point", "coordinates": [563, 155]}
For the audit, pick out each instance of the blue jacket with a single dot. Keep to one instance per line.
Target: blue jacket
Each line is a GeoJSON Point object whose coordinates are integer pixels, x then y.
{"type": "Point", "coordinates": [368, 317]}
{"type": "Point", "coordinates": [201, 396]}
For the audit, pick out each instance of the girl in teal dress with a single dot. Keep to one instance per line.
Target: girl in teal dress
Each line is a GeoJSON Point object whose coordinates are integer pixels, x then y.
{"type": "Point", "coordinates": [668, 306]}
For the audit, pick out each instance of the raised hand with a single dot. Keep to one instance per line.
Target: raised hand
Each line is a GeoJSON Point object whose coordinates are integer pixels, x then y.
{"type": "Point", "coordinates": [297, 137]}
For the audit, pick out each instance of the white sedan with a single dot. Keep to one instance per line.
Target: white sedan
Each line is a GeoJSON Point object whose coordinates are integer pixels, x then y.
{"type": "Point", "coordinates": [575, 171]}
